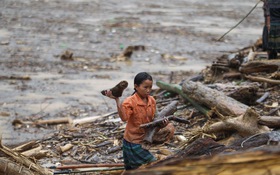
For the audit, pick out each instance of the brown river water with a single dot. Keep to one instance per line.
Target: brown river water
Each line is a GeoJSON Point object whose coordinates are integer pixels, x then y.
{"type": "Point", "coordinates": [34, 33]}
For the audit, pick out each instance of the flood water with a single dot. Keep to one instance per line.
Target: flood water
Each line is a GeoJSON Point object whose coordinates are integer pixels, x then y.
{"type": "Point", "coordinates": [34, 33]}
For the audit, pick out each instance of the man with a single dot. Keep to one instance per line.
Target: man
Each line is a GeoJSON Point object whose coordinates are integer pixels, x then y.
{"type": "Point", "coordinates": [271, 30]}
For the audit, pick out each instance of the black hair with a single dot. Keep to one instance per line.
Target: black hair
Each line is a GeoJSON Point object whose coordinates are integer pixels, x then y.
{"type": "Point", "coordinates": [140, 77]}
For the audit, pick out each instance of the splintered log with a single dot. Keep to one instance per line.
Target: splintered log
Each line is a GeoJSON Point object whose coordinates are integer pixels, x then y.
{"type": "Point", "coordinates": [175, 88]}
{"type": "Point", "coordinates": [260, 66]}
{"type": "Point", "coordinates": [213, 98]}
{"type": "Point", "coordinates": [264, 160]}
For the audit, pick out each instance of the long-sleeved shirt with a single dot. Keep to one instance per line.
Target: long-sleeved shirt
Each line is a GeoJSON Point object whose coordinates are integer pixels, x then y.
{"type": "Point", "coordinates": [135, 112]}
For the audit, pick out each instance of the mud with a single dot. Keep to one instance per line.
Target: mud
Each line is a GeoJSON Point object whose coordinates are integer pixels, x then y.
{"type": "Point", "coordinates": [34, 33]}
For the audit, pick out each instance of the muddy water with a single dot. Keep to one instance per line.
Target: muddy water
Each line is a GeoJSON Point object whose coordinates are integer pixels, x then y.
{"type": "Point", "coordinates": [34, 33]}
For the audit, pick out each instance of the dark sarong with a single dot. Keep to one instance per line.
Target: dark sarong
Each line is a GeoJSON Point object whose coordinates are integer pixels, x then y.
{"type": "Point", "coordinates": [274, 32]}
{"type": "Point", "coordinates": [134, 155]}
{"type": "Point", "coordinates": [274, 37]}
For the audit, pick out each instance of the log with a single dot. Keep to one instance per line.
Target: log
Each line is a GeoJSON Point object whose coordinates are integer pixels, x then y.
{"type": "Point", "coordinates": [270, 121]}
{"type": "Point", "coordinates": [213, 98]}
{"type": "Point", "coordinates": [32, 152]}
{"type": "Point", "coordinates": [159, 121]}
{"type": "Point", "coordinates": [25, 146]}
{"type": "Point", "coordinates": [261, 79]}
{"type": "Point", "coordinates": [91, 119]}
{"type": "Point", "coordinates": [259, 66]}
{"type": "Point", "coordinates": [175, 88]}
{"type": "Point", "coordinates": [245, 125]}
{"type": "Point", "coordinates": [65, 148]}
{"type": "Point", "coordinates": [153, 127]}
{"type": "Point", "coordinates": [63, 120]}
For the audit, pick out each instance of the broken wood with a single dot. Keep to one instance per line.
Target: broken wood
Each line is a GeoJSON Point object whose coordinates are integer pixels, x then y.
{"type": "Point", "coordinates": [65, 148]}
{"type": "Point", "coordinates": [270, 121]}
{"type": "Point", "coordinates": [259, 66]}
{"type": "Point", "coordinates": [152, 128]}
{"type": "Point", "coordinates": [175, 88]}
{"type": "Point", "coordinates": [159, 121]}
{"type": "Point", "coordinates": [25, 146]}
{"type": "Point", "coordinates": [213, 98]}
{"type": "Point", "coordinates": [91, 119]}
{"type": "Point", "coordinates": [245, 125]}
{"type": "Point", "coordinates": [32, 152]}
{"type": "Point", "coordinates": [14, 77]}
{"type": "Point", "coordinates": [261, 79]}
{"type": "Point", "coordinates": [64, 120]}
{"type": "Point", "coordinates": [245, 94]}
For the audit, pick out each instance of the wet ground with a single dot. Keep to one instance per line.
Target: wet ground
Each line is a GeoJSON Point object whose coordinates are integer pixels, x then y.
{"type": "Point", "coordinates": [34, 33]}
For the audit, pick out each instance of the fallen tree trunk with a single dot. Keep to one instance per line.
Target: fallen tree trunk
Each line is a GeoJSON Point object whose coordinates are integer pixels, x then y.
{"type": "Point", "coordinates": [175, 88]}
{"type": "Point", "coordinates": [213, 98]}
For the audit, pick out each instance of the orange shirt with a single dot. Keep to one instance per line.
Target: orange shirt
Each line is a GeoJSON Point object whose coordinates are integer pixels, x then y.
{"type": "Point", "coordinates": [135, 112]}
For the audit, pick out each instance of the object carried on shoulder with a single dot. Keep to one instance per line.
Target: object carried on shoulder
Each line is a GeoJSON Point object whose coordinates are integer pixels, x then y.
{"type": "Point", "coordinates": [118, 89]}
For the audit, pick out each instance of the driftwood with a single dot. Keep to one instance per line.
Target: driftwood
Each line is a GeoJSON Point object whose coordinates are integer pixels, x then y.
{"type": "Point", "coordinates": [261, 79]}
{"type": "Point", "coordinates": [270, 121]}
{"type": "Point", "coordinates": [259, 66]}
{"type": "Point", "coordinates": [245, 125]}
{"type": "Point", "coordinates": [64, 120]}
{"type": "Point", "coordinates": [175, 88]}
{"type": "Point", "coordinates": [65, 148]}
{"type": "Point", "coordinates": [151, 129]}
{"type": "Point", "coordinates": [245, 94]}
{"type": "Point", "coordinates": [25, 146]}
{"type": "Point", "coordinates": [91, 119]}
{"type": "Point", "coordinates": [14, 77]}
{"type": "Point", "coordinates": [213, 98]}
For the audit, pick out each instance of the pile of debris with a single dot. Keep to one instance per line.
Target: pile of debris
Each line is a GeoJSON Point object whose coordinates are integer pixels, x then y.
{"type": "Point", "coordinates": [226, 118]}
